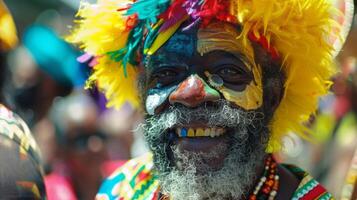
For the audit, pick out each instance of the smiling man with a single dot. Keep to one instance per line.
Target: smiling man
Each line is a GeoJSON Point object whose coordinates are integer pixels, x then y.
{"type": "Point", "coordinates": [220, 81]}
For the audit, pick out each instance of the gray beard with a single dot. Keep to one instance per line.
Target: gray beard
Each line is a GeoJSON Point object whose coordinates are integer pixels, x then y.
{"type": "Point", "coordinates": [236, 177]}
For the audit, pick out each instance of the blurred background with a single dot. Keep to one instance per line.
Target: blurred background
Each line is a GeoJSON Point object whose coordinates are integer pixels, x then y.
{"type": "Point", "coordinates": [81, 141]}
{"type": "Point", "coordinates": [43, 83]}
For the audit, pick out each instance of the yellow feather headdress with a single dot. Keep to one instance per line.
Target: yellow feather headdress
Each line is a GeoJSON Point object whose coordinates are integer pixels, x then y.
{"type": "Point", "coordinates": [299, 31]}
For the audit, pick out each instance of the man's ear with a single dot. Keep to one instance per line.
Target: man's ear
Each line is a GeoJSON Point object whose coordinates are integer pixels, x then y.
{"type": "Point", "coordinates": [273, 92]}
{"type": "Point", "coordinates": [273, 80]}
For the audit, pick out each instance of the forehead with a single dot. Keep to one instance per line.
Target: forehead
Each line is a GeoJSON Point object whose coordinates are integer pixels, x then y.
{"type": "Point", "coordinates": [198, 41]}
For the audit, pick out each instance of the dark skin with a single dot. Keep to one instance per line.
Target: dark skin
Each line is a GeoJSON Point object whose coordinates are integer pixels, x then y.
{"type": "Point", "coordinates": [178, 59]}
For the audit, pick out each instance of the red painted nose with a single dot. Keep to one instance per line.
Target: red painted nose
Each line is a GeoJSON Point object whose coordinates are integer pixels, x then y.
{"type": "Point", "coordinates": [193, 92]}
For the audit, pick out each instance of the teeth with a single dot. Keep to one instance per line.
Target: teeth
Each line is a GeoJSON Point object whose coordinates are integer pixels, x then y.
{"type": "Point", "coordinates": [213, 132]}
{"type": "Point", "coordinates": [178, 132]}
{"type": "Point", "coordinates": [191, 132]}
{"type": "Point", "coordinates": [220, 131]}
{"type": "Point", "coordinates": [199, 132]}
{"type": "Point", "coordinates": [207, 132]}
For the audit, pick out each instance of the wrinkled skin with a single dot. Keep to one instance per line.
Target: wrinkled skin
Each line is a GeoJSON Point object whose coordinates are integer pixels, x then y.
{"type": "Point", "coordinates": [203, 81]}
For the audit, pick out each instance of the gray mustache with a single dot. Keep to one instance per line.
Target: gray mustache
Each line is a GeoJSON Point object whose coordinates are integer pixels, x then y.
{"type": "Point", "coordinates": [220, 114]}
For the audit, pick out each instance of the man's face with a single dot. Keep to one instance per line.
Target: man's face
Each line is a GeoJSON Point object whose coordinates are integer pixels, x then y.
{"type": "Point", "coordinates": [206, 120]}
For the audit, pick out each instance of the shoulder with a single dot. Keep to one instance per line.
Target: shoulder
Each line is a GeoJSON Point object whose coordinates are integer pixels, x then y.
{"type": "Point", "coordinates": [15, 129]}
{"type": "Point", "coordinates": [19, 153]}
{"type": "Point", "coordinates": [308, 188]}
{"type": "Point", "coordinates": [133, 180]}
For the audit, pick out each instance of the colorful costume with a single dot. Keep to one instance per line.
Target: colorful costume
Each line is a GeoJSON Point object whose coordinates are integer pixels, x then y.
{"type": "Point", "coordinates": [301, 34]}
{"type": "Point", "coordinates": [135, 180]}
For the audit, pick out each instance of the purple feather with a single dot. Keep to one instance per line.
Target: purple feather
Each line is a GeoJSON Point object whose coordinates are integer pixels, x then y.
{"type": "Point", "coordinates": [84, 58]}
{"type": "Point", "coordinates": [173, 20]}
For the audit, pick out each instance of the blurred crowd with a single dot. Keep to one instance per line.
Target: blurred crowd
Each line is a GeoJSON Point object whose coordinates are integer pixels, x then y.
{"type": "Point", "coordinates": [81, 141]}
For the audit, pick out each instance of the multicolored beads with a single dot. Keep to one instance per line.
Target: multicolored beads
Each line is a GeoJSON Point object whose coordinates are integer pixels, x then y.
{"type": "Point", "coordinates": [268, 185]}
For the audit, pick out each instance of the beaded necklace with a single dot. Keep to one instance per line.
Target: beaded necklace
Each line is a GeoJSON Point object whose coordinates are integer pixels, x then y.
{"type": "Point", "coordinates": [267, 187]}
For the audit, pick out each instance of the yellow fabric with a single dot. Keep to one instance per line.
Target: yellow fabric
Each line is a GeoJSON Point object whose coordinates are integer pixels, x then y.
{"type": "Point", "coordinates": [298, 29]}
{"type": "Point", "coordinates": [8, 34]}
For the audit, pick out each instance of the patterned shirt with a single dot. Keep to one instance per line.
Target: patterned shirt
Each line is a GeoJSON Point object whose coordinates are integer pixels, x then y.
{"type": "Point", "coordinates": [21, 174]}
{"type": "Point", "coordinates": [135, 181]}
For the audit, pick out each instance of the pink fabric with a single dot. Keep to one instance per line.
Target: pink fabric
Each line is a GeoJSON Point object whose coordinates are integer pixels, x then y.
{"type": "Point", "coordinates": [58, 188]}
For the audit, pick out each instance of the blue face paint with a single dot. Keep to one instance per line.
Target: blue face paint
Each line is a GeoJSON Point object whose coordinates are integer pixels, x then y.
{"type": "Point", "coordinates": [157, 97]}
{"type": "Point", "coordinates": [159, 94]}
{"type": "Point", "coordinates": [181, 44]}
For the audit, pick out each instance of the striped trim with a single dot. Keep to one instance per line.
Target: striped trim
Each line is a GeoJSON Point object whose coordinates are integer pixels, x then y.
{"type": "Point", "coordinates": [135, 181]}
{"type": "Point", "coordinates": [310, 189]}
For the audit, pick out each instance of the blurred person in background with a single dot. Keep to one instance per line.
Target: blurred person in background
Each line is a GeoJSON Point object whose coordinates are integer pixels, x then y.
{"type": "Point", "coordinates": [347, 159]}
{"type": "Point", "coordinates": [335, 127]}
{"type": "Point", "coordinates": [21, 172]}
{"type": "Point", "coordinates": [43, 68]}
{"type": "Point", "coordinates": [88, 145]}
{"type": "Point", "coordinates": [81, 150]}
{"type": "Point", "coordinates": [122, 126]}
{"type": "Point", "coordinates": [338, 126]}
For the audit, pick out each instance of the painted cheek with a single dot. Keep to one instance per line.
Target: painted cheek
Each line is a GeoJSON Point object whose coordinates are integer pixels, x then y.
{"type": "Point", "coordinates": [156, 98]}
{"type": "Point", "coordinates": [249, 99]}
{"type": "Point", "coordinates": [193, 91]}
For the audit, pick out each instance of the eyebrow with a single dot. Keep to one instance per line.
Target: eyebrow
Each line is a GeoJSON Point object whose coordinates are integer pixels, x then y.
{"type": "Point", "coordinates": [156, 64]}
{"type": "Point", "coordinates": [163, 59]}
{"type": "Point", "coordinates": [207, 45]}
{"type": "Point", "coordinates": [172, 64]}
{"type": "Point", "coordinates": [224, 38]}
{"type": "Point", "coordinates": [233, 55]}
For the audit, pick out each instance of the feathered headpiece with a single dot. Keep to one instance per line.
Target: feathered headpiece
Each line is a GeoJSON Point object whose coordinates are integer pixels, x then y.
{"type": "Point", "coordinates": [298, 32]}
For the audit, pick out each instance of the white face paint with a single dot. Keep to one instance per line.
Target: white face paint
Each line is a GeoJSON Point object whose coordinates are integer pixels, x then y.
{"type": "Point", "coordinates": [156, 99]}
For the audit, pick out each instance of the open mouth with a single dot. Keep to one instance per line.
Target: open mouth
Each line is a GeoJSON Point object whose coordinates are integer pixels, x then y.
{"type": "Point", "coordinates": [200, 132]}
{"type": "Point", "coordinates": [212, 143]}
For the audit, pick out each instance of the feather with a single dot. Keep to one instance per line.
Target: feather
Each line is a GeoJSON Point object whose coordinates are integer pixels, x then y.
{"type": "Point", "coordinates": [164, 36]}
{"type": "Point", "coordinates": [148, 10]}
{"type": "Point", "coordinates": [153, 33]}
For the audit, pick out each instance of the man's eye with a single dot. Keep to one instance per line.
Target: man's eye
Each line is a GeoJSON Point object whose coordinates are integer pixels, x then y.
{"type": "Point", "coordinates": [233, 74]}
{"type": "Point", "coordinates": [165, 73]}
{"type": "Point", "coordinates": [229, 71]}
{"type": "Point", "coordinates": [165, 77]}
